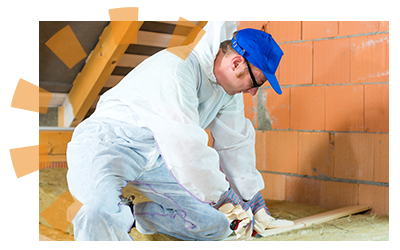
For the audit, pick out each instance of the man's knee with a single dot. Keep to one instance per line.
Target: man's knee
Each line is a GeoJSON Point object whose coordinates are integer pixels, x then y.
{"type": "Point", "coordinates": [223, 229]}
{"type": "Point", "coordinates": [215, 228]}
{"type": "Point", "coordinates": [89, 214]}
{"type": "Point", "coordinates": [93, 222]}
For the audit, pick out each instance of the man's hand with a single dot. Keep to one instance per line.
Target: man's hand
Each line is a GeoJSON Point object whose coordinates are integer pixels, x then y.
{"type": "Point", "coordinates": [263, 219]}
{"type": "Point", "coordinates": [235, 209]}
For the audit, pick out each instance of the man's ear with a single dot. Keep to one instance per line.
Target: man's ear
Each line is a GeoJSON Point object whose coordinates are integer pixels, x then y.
{"type": "Point", "coordinates": [236, 61]}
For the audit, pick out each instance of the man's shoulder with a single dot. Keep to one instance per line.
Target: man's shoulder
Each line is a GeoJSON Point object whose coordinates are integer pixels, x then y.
{"type": "Point", "coordinates": [169, 60]}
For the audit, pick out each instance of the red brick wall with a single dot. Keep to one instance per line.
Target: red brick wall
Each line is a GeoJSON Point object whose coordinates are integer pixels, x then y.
{"type": "Point", "coordinates": [325, 140]}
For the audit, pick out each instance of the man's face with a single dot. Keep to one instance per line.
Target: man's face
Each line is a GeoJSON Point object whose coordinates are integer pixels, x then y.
{"type": "Point", "coordinates": [232, 74]}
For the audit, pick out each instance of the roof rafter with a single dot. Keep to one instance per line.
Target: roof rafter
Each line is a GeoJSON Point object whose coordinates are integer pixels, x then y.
{"type": "Point", "coordinates": [99, 66]}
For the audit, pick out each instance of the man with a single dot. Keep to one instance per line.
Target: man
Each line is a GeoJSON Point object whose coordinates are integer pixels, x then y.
{"type": "Point", "coordinates": [149, 131]}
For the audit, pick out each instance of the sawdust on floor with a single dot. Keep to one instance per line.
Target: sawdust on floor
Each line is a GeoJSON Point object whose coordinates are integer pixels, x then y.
{"type": "Point", "coordinates": [359, 227]}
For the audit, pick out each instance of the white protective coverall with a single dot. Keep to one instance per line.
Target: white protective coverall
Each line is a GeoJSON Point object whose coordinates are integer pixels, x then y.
{"type": "Point", "coordinates": [176, 100]}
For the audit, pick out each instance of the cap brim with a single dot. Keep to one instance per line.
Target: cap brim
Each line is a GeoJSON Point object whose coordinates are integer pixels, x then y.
{"type": "Point", "coordinates": [273, 82]}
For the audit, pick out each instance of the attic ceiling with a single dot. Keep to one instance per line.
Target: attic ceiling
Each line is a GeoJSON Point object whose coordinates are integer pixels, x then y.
{"type": "Point", "coordinates": [57, 78]}
{"type": "Point", "coordinates": [54, 75]}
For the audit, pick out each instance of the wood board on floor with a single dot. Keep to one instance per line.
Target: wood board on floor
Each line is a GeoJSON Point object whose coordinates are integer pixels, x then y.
{"type": "Point", "coordinates": [314, 219]}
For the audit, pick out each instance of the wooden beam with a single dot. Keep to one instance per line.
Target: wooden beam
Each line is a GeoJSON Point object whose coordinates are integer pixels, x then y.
{"type": "Point", "coordinates": [129, 60]}
{"type": "Point", "coordinates": [156, 39]}
{"type": "Point", "coordinates": [201, 24]}
{"type": "Point", "coordinates": [94, 74]}
{"type": "Point", "coordinates": [320, 218]}
{"type": "Point", "coordinates": [315, 219]}
{"type": "Point", "coordinates": [56, 144]}
{"type": "Point", "coordinates": [148, 38]}
{"type": "Point", "coordinates": [112, 81]}
{"type": "Point", "coordinates": [56, 100]}
{"type": "Point", "coordinates": [195, 31]}
{"type": "Point", "coordinates": [60, 112]}
{"type": "Point", "coordinates": [43, 158]}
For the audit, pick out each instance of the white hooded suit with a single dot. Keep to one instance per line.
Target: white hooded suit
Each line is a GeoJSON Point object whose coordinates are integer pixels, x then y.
{"type": "Point", "coordinates": [176, 100]}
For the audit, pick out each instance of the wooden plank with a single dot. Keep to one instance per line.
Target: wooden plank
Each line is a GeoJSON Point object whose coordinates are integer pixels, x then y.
{"type": "Point", "coordinates": [320, 218]}
{"type": "Point", "coordinates": [176, 22]}
{"type": "Point", "coordinates": [331, 215]}
{"type": "Point", "coordinates": [60, 112]}
{"type": "Point", "coordinates": [56, 145]}
{"type": "Point", "coordinates": [55, 141]}
{"type": "Point", "coordinates": [121, 71]}
{"type": "Point", "coordinates": [94, 74]}
{"type": "Point", "coordinates": [129, 60]}
{"type": "Point", "coordinates": [156, 39]}
{"type": "Point", "coordinates": [53, 158]}
{"type": "Point", "coordinates": [112, 81]}
{"type": "Point", "coordinates": [314, 219]}
{"type": "Point", "coordinates": [201, 24]}
{"type": "Point", "coordinates": [160, 27]}
{"type": "Point", "coordinates": [56, 100]}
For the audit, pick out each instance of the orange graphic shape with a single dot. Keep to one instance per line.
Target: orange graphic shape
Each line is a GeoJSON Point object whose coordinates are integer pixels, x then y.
{"type": "Point", "coordinates": [73, 210]}
{"type": "Point", "coordinates": [183, 46]}
{"type": "Point", "coordinates": [122, 20]}
{"type": "Point", "coordinates": [26, 160]}
{"type": "Point", "coordinates": [67, 47]}
{"type": "Point", "coordinates": [62, 211]}
{"type": "Point", "coordinates": [26, 96]}
{"type": "Point", "coordinates": [30, 97]}
{"type": "Point", "coordinates": [124, 14]}
{"type": "Point", "coordinates": [44, 100]}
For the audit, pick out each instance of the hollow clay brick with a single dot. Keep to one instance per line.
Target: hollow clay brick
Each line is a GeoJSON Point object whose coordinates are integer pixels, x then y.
{"type": "Point", "coordinates": [377, 107]}
{"type": "Point", "coordinates": [381, 158]}
{"type": "Point", "coordinates": [274, 186]}
{"type": "Point", "coordinates": [296, 63]}
{"type": "Point", "coordinates": [376, 196]}
{"type": "Point", "coordinates": [319, 29]}
{"type": "Point", "coordinates": [347, 28]}
{"type": "Point", "coordinates": [284, 31]}
{"type": "Point", "coordinates": [251, 108]}
{"type": "Point", "coordinates": [277, 108]}
{"type": "Point", "coordinates": [303, 190]}
{"type": "Point", "coordinates": [338, 194]}
{"type": "Point", "coordinates": [282, 151]}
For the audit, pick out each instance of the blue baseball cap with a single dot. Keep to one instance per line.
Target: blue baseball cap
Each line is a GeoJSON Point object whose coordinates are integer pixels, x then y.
{"type": "Point", "coordinates": [261, 50]}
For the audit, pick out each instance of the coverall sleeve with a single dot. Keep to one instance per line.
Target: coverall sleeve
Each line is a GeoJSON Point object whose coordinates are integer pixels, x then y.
{"type": "Point", "coordinates": [234, 140]}
{"type": "Point", "coordinates": [170, 112]}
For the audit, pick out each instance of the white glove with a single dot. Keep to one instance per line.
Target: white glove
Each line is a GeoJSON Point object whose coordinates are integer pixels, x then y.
{"type": "Point", "coordinates": [234, 208]}
{"type": "Point", "coordinates": [263, 221]}
{"type": "Point", "coordinates": [245, 218]}
{"type": "Point", "coordinates": [262, 218]}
